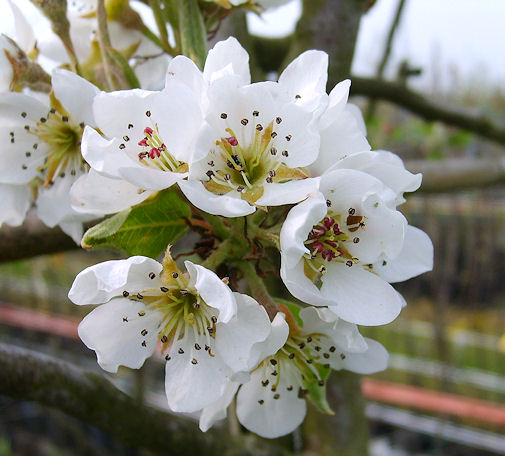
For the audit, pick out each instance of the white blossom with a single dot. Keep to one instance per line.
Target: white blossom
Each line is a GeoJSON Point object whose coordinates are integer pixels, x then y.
{"type": "Point", "coordinates": [206, 332]}
{"type": "Point", "coordinates": [331, 243]}
{"type": "Point", "coordinates": [41, 149]}
{"type": "Point", "coordinates": [271, 402]}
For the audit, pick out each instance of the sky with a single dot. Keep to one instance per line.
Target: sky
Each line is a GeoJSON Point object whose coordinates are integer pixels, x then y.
{"type": "Point", "coordinates": [445, 37]}
{"type": "Point", "coordinates": [456, 42]}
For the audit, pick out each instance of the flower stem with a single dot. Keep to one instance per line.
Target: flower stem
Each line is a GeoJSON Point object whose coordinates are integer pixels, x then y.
{"type": "Point", "coordinates": [258, 289]}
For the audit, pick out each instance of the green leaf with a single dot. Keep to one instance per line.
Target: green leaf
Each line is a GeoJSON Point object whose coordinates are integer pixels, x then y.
{"type": "Point", "coordinates": [317, 393]}
{"type": "Point", "coordinates": [121, 64]}
{"type": "Point", "coordinates": [192, 31]}
{"type": "Point", "coordinates": [146, 229]}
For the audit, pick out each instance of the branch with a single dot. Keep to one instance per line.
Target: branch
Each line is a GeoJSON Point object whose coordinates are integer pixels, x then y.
{"type": "Point", "coordinates": [458, 173]}
{"type": "Point", "coordinates": [419, 105]}
{"type": "Point", "coordinates": [30, 376]}
{"type": "Point", "coordinates": [32, 239]}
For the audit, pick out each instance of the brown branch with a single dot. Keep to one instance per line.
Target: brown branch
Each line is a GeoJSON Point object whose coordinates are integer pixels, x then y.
{"type": "Point", "coordinates": [30, 376]}
{"type": "Point", "coordinates": [31, 239]}
{"type": "Point", "coordinates": [421, 106]}
{"type": "Point", "coordinates": [458, 174]}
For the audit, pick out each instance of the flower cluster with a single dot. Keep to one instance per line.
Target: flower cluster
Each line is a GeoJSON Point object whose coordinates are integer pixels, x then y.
{"type": "Point", "coordinates": [273, 168]}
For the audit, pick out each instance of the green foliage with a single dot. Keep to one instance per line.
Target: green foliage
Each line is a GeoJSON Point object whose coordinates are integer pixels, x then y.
{"type": "Point", "coordinates": [193, 34]}
{"type": "Point", "coordinates": [146, 229]}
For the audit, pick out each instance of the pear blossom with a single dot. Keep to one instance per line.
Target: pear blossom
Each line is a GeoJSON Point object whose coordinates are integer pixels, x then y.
{"type": "Point", "coordinates": [331, 242]}
{"type": "Point", "coordinates": [271, 402]}
{"type": "Point", "coordinates": [41, 150]}
{"type": "Point", "coordinates": [145, 144]}
{"type": "Point", "coordinates": [206, 332]}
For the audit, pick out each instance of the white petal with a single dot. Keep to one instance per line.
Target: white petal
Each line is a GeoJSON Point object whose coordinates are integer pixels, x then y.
{"type": "Point", "coordinates": [274, 417]}
{"type": "Point", "coordinates": [287, 192]}
{"type": "Point", "coordinates": [273, 343]}
{"type": "Point", "coordinates": [323, 321]}
{"type": "Point", "coordinates": [212, 290]}
{"type": "Point", "coordinates": [150, 179]}
{"type": "Point", "coordinates": [24, 32]}
{"type": "Point", "coordinates": [15, 200]}
{"type": "Point", "coordinates": [103, 281]}
{"type": "Point", "coordinates": [385, 166]}
{"type": "Point", "coordinates": [415, 258]}
{"type": "Point", "coordinates": [375, 359]}
{"type": "Point", "coordinates": [217, 411]}
{"type": "Point", "coordinates": [115, 331]}
{"type": "Point", "coordinates": [76, 94]}
{"type": "Point", "coordinates": [306, 76]}
{"type": "Point", "coordinates": [21, 159]}
{"type": "Point", "coordinates": [14, 105]}
{"type": "Point", "coordinates": [235, 339]}
{"type": "Point", "coordinates": [359, 296]}
{"type": "Point", "coordinates": [53, 203]}
{"type": "Point", "coordinates": [297, 226]}
{"type": "Point", "coordinates": [183, 70]}
{"type": "Point", "coordinates": [73, 228]}
{"type": "Point", "coordinates": [227, 57]}
{"type": "Point", "coordinates": [301, 287]}
{"type": "Point", "coordinates": [191, 386]}
{"type": "Point", "coordinates": [93, 193]}
{"type": "Point", "coordinates": [104, 155]}
{"type": "Point", "coordinates": [224, 205]}
{"type": "Point", "coordinates": [340, 138]}
{"type": "Point", "coordinates": [337, 99]}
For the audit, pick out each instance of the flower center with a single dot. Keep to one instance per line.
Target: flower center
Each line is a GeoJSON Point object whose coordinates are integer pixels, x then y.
{"type": "Point", "coordinates": [184, 312]}
{"type": "Point", "coordinates": [327, 242]}
{"type": "Point", "coordinates": [63, 139]}
{"type": "Point", "coordinates": [295, 365]}
{"type": "Point", "coordinates": [154, 153]}
{"type": "Point", "coordinates": [247, 164]}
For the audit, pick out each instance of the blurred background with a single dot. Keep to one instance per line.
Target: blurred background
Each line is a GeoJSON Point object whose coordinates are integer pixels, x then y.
{"type": "Point", "coordinates": [444, 391]}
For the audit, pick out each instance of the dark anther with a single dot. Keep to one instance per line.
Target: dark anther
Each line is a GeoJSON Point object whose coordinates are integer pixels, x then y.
{"type": "Point", "coordinates": [273, 362]}
{"type": "Point", "coordinates": [278, 120]}
{"type": "Point", "coordinates": [125, 319]}
{"type": "Point", "coordinates": [122, 146]}
{"type": "Point", "coordinates": [244, 122]}
{"type": "Point", "coordinates": [126, 138]}
{"type": "Point", "coordinates": [139, 296]}
{"type": "Point", "coordinates": [164, 289]}
{"type": "Point", "coordinates": [332, 348]}
{"type": "Point", "coordinates": [342, 356]}
{"type": "Point", "coordinates": [180, 351]}
{"type": "Point", "coordinates": [126, 294]}
{"type": "Point", "coordinates": [141, 313]}
{"type": "Point", "coordinates": [143, 332]}
{"type": "Point", "coordinates": [352, 211]}
{"type": "Point", "coordinates": [148, 113]}
{"type": "Point", "coordinates": [224, 115]}
{"type": "Point", "coordinates": [175, 275]}
{"type": "Point", "coordinates": [255, 113]}
{"type": "Point", "coordinates": [194, 361]}
{"type": "Point", "coordinates": [164, 339]}
{"type": "Point", "coordinates": [198, 347]}
{"type": "Point", "coordinates": [152, 275]}
{"type": "Point", "coordinates": [144, 343]}
{"type": "Point", "coordinates": [167, 358]}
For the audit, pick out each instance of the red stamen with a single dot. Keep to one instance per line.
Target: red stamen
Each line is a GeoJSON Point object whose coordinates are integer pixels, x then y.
{"type": "Point", "coordinates": [232, 140]}
{"type": "Point", "coordinates": [148, 131]}
{"type": "Point", "coordinates": [328, 222]}
{"type": "Point", "coordinates": [143, 142]}
{"type": "Point", "coordinates": [336, 229]}
{"type": "Point", "coordinates": [154, 153]}
{"type": "Point", "coordinates": [317, 247]}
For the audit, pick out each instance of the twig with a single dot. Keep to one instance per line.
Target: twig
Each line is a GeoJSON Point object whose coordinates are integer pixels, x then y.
{"type": "Point", "coordinates": [458, 174]}
{"type": "Point", "coordinates": [387, 52]}
{"type": "Point", "coordinates": [104, 40]}
{"type": "Point", "coordinates": [419, 105]}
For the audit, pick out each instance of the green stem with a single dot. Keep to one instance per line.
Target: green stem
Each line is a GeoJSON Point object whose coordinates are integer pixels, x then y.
{"type": "Point", "coordinates": [193, 32]}
{"type": "Point", "coordinates": [226, 251]}
{"type": "Point", "coordinates": [258, 289]}
{"type": "Point", "coordinates": [161, 24]}
{"type": "Point", "coordinates": [217, 225]}
{"type": "Point", "coordinates": [104, 40]}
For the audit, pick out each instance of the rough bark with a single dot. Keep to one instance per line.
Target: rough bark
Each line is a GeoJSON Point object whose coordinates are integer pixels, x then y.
{"type": "Point", "coordinates": [30, 376]}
